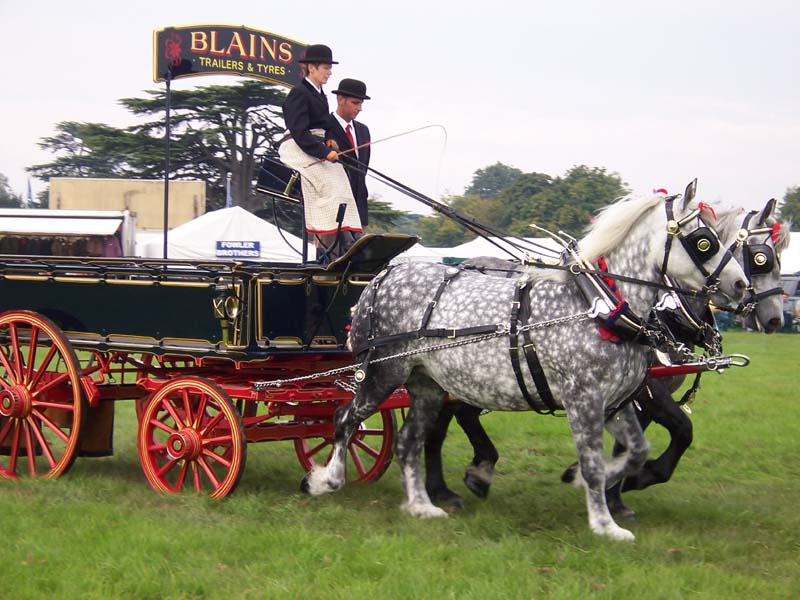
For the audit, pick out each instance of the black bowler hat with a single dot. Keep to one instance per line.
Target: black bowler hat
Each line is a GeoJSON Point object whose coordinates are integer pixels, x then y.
{"type": "Point", "coordinates": [352, 87]}
{"type": "Point", "coordinates": [318, 53]}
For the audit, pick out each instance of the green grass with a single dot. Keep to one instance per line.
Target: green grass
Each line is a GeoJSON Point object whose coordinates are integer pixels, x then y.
{"type": "Point", "coordinates": [726, 526]}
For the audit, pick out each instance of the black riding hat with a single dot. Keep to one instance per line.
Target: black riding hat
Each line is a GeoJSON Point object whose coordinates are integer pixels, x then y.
{"type": "Point", "coordinates": [318, 53]}
{"type": "Point", "coordinates": [353, 88]}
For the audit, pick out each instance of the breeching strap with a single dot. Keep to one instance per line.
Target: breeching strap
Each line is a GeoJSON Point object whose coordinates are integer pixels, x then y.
{"type": "Point", "coordinates": [520, 312]}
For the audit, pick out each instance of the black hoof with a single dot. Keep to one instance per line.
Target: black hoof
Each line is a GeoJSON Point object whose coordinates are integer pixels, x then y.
{"type": "Point", "coordinates": [622, 511]}
{"type": "Point", "coordinates": [568, 476]}
{"type": "Point", "coordinates": [477, 486]}
{"type": "Point", "coordinates": [447, 499]}
{"type": "Point", "coordinates": [304, 485]}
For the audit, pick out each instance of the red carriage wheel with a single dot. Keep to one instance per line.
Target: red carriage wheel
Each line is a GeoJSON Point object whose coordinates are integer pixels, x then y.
{"type": "Point", "coordinates": [369, 453]}
{"type": "Point", "coordinates": [191, 437]}
{"type": "Point", "coordinates": [41, 402]}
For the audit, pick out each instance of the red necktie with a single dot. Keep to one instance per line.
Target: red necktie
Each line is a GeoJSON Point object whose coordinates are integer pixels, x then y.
{"type": "Point", "coordinates": [350, 137]}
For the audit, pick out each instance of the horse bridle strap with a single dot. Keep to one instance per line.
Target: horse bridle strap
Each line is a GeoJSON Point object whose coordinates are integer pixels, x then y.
{"type": "Point", "coordinates": [757, 259]}
{"type": "Point", "coordinates": [521, 312]}
{"type": "Point", "coordinates": [700, 245]}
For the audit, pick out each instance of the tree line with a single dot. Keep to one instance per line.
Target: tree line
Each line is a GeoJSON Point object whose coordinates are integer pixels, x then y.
{"type": "Point", "coordinates": [220, 132]}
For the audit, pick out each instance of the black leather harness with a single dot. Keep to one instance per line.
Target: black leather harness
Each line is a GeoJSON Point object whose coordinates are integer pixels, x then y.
{"type": "Point", "coordinates": [520, 312]}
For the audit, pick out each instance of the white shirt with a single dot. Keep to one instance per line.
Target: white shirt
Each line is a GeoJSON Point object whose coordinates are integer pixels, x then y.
{"type": "Point", "coordinates": [344, 125]}
{"type": "Point", "coordinates": [314, 85]}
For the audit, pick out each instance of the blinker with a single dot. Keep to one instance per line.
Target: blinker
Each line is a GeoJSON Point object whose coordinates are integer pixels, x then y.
{"type": "Point", "coordinates": [703, 243]}
{"type": "Point", "coordinates": [760, 258]}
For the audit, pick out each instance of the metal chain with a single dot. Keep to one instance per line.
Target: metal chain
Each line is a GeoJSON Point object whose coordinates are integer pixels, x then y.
{"type": "Point", "coordinates": [502, 329]}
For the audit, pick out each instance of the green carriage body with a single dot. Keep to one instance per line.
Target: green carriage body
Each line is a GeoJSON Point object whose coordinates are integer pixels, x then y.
{"type": "Point", "coordinates": [187, 341]}
{"type": "Point", "coordinates": [239, 310]}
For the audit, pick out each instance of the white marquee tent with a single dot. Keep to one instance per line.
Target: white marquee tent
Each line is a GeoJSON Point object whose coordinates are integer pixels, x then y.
{"type": "Point", "coordinates": [226, 234]}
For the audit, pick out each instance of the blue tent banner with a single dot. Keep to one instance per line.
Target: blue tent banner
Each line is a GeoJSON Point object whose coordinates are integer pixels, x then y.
{"type": "Point", "coordinates": [242, 249]}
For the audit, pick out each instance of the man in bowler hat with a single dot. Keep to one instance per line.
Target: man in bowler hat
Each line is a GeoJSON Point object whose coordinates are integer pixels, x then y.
{"type": "Point", "coordinates": [352, 138]}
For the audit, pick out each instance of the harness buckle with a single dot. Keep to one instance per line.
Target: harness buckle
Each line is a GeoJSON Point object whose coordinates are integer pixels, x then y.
{"type": "Point", "coordinates": [453, 335]}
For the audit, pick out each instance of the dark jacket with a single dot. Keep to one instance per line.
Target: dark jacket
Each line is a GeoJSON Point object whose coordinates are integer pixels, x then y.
{"type": "Point", "coordinates": [305, 109]}
{"type": "Point", "coordinates": [356, 172]}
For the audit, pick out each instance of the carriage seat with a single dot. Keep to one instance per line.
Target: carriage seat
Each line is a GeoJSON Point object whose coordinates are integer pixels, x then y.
{"type": "Point", "coordinates": [279, 181]}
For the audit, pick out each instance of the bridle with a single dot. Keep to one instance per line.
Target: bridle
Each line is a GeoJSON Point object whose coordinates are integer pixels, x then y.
{"type": "Point", "coordinates": [701, 245]}
{"type": "Point", "coordinates": [757, 259]}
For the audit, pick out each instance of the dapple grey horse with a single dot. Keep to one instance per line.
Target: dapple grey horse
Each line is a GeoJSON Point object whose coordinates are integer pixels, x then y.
{"type": "Point", "coordinates": [587, 376]}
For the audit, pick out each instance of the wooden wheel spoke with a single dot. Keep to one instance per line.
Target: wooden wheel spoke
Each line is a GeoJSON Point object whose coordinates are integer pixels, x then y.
{"type": "Point", "coordinates": [52, 426]}
{"type": "Point", "coordinates": [167, 466]}
{"type": "Point", "coordinates": [173, 413]}
{"type": "Point", "coordinates": [201, 409]}
{"type": "Point", "coordinates": [12, 329]}
{"type": "Point", "coordinates": [9, 371]}
{"type": "Point", "coordinates": [12, 463]}
{"type": "Point", "coordinates": [31, 353]}
{"type": "Point", "coordinates": [60, 378]}
{"type": "Point", "coordinates": [312, 451]}
{"type": "Point", "coordinates": [212, 423]}
{"type": "Point", "coordinates": [187, 407]}
{"type": "Point", "coordinates": [43, 444]}
{"type": "Point", "coordinates": [6, 428]}
{"type": "Point", "coordinates": [31, 450]}
{"type": "Point", "coordinates": [356, 460]}
{"type": "Point", "coordinates": [58, 405]}
{"type": "Point", "coordinates": [365, 447]}
{"type": "Point", "coordinates": [198, 485]}
{"type": "Point", "coordinates": [208, 471]}
{"type": "Point", "coordinates": [216, 457]}
{"type": "Point", "coordinates": [363, 432]}
{"type": "Point", "coordinates": [162, 426]}
{"type": "Point", "coordinates": [182, 476]}
{"type": "Point", "coordinates": [51, 352]}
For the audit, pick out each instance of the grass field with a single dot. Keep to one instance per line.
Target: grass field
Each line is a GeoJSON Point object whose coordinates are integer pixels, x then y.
{"type": "Point", "coordinates": [726, 526]}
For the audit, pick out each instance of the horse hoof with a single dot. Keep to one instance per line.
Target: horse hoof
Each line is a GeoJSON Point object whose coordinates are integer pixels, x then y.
{"type": "Point", "coordinates": [622, 511]}
{"type": "Point", "coordinates": [449, 500]}
{"type": "Point", "coordinates": [424, 511]}
{"type": "Point", "coordinates": [477, 486]}
{"type": "Point", "coordinates": [568, 476]}
{"type": "Point", "coordinates": [619, 534]}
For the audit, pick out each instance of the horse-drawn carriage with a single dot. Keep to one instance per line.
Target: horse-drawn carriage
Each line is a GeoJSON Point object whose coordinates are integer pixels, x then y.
{"type": "Point", "coordinates": [186, 341]}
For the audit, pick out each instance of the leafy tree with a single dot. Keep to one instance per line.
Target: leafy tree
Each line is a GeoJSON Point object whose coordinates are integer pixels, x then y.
{"type": "Point", "coordinates": [567, 204]}
{"type": "Point", "coordinates": [382, 217]}
{"type": "Point", "coordinates": [790, 207]}
{"type": "Point", "coordinates": [491, 180]}
{"type": "Point", "coordinates": [562, 203]}
{"type": "Point", "coordinates": [8, 199]}
{"type": "Point", "coordinates": [215, 130]}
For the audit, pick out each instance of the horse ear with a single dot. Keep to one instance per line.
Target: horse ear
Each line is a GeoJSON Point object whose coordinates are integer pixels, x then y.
{"type": "Point", "coordinates": [767, 211]}
{"type": "Point", "coordinates": [689, 194]}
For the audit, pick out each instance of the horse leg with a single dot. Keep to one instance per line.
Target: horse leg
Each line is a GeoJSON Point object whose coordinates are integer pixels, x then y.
{"type": "Point", "coordinates": [586, 424]}
{"type": "Point", "coordinates": [372, 391]}
{"type": "Point", "coordinates": [478, 476]}
{"type": "Point", "coordinates": [435, 484]}
{"type": "Point", "coordinates": [666, 412]}
{"type": "Point", "coordinates": [426, 403]}
{"type": "Point", "coordinates": [614, 493]}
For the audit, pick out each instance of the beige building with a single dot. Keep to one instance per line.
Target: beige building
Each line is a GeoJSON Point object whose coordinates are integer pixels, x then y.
{"type": "Point", "coordinates": [142, 197]}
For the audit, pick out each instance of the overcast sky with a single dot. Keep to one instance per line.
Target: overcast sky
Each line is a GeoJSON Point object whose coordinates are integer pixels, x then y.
{"type": "Point", "coordinates": [657, 92]}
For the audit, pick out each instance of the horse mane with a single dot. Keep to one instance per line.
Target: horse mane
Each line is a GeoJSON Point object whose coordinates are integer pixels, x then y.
{"type": "Point", "coordinates": [613, 223]}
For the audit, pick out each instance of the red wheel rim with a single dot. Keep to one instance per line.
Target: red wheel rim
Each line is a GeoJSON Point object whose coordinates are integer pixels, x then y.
{"type": "Point", "coordinates": [41, 402]}
{"type": "Point", "coordinates": [191, 439]}
{"type": "Point", "coordinates": [369, 453]}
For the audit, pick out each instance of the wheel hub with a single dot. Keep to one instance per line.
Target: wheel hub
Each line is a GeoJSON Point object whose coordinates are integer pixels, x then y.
{"type": "Point", "coordinates": [184, 444]}
{"type": "Point", "coordinates": [15, 402]}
